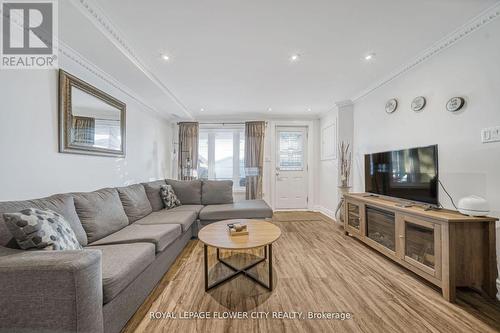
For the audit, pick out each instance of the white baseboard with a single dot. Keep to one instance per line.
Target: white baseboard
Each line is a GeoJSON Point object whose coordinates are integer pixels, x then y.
{"type": "Point", "coordinates": [325, 211]}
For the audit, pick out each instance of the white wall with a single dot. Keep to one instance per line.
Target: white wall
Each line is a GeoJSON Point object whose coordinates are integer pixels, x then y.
{"type": "Point", "coordinates": [470, 68]}
{"type": "Point", "coordinates": [328, 174]}
{"type": "Point", "coordinates": [327, 197]}
{"type": "Point", "coordinates": [31, 166]}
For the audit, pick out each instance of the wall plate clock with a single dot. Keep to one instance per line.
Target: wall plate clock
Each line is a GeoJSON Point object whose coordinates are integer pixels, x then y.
{"type": "Point", "coordinates": [418, 104]}
{"type": "Point", "coordinates": [455, 104]}
{"type": "Point", "coordinates": [391, 105]}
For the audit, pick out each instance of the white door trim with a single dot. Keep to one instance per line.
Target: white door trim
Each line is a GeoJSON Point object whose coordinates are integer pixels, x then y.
{"type": "Point", "coordinates": [310, 158]}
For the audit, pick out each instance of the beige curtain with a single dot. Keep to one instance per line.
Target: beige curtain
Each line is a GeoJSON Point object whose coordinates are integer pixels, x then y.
{"type": "Point", "coordinates": [188, 150]}
{"type": "Point", "coordinates": [254, 158]}
{"type": "Point", "coordinates": [83, 130]}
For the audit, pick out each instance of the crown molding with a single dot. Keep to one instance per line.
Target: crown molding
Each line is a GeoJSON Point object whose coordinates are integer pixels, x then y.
{"type": "Point", "coordinates": [464, 31]}
{"type": "Point", "coordinates": [344, 103]}
{"type": "Point", "coordinates": [102, 22]}
{"type": "Point", "coordinates": [72, 55]}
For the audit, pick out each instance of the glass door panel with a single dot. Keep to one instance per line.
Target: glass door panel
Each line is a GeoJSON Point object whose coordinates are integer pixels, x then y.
{"type": "Point", "coordinates": [353, 215]}
{"type": "Point", "coordinates": [419, 244]}
{"type": "Point", "coordinates": [291, 151]}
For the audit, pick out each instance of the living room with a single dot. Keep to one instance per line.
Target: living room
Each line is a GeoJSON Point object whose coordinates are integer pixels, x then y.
{"type": "Point", "coordinates": [279, 166]}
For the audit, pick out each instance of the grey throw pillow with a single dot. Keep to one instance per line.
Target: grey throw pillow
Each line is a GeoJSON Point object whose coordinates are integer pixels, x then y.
{"type": "Point", "coordinates": [168, 196]}
{"type": "Point", "coordinates": [41, 229]}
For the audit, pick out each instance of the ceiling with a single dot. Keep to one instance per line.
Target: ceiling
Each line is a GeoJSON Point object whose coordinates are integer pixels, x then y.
{"type": "Point", "coordinates": [231, 58]}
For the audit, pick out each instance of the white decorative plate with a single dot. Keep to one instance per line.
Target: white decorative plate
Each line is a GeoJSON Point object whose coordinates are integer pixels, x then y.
{"type": "Point", "coordinates": [418, 103]}
{"type": "Point", "coordinates": [391, 105]}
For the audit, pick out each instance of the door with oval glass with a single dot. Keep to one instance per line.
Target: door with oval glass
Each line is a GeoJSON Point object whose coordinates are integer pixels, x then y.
{"type": "Point", "coordinates": [291, 168]}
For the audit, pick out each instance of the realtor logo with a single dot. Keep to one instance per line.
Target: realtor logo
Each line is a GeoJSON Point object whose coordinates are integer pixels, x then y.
{"type": "Point", "coordinates": [29, 34]}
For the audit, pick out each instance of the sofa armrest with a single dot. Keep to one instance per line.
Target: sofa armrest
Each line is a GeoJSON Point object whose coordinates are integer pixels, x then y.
{"type": "Point", "coordinates": [50, 291]}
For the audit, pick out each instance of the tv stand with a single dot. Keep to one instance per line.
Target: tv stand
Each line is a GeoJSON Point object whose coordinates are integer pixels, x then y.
{"type": "Point", "coordinates": [405, 204]}
{"type": "Point", "coordinates": [444, 247]}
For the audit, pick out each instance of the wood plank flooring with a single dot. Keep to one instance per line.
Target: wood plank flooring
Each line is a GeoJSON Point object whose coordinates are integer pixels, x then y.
{"type": "Point", "coordinates": [317, 269]}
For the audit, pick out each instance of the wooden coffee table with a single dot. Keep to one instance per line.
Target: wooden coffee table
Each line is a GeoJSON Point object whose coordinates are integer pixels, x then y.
{"type": "Point", "coordinates": [260, 234]}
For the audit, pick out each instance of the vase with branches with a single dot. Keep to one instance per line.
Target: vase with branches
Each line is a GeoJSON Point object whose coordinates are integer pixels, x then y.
{"type": "Point", "coordinates": [345, 174]}
{"type": "Point", "coordinates": [345, 163]}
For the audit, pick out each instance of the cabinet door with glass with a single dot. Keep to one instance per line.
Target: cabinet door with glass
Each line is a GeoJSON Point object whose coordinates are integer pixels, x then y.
{"type": "Point", "coordinates": [421, 244]}
{"type": "Point", "coordinates": [353, 213]}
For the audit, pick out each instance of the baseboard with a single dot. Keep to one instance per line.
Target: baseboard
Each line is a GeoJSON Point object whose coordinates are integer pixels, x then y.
{"type": "Point", "coordinates": [325, 211]}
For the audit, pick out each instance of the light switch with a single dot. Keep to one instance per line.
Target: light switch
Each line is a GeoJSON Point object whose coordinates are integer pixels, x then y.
{"type": "Point", "coordinates": [491, 134]}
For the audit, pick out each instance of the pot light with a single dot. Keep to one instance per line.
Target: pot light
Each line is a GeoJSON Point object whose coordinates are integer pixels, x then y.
{"type": "Point", "coordinates": [165, 57]}
{"type": "Point", "coordinates": [369, 56]}
{"type": "Point", "coordinates": [202, 109]}
{"type": "Point", "coordinates": [269, 109]}
{"type": "Point", "coordinates": [309, 109]}
{"type": "Point", "coordinates": [295, 57]}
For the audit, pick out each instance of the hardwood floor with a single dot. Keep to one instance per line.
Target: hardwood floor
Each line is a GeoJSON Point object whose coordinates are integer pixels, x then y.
{"type": "Point", "coordinates": [317, 269]}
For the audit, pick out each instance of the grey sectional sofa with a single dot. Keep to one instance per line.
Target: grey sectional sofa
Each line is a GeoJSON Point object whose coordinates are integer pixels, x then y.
{"type": "Point", "coordinates": [129, 241]}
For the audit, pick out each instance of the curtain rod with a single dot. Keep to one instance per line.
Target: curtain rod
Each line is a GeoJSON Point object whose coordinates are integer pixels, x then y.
{"type": "Point", "coordinates": [240, 123]}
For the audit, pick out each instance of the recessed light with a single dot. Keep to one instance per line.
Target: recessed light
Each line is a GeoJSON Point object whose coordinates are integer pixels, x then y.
{"type": "Point", "coordinates": [269, 109]}
{"type": "Point", "coordinates": [202, 109]}
{"type": "Point", "coordinates": [369, 56]}
{"type": "Point", "coordinates": [309, 109]}
{"type": "Point", "coordinates": [165, 57]}
{"type": "Point", "coordinates": [295, 57]}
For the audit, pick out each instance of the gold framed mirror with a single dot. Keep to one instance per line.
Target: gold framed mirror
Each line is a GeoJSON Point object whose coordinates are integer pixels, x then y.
{"type": "Point", "coordinates": [91, 122]}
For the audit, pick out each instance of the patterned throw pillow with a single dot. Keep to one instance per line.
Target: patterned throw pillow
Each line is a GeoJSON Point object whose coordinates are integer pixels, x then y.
{"type": "Point", "coordinates": [168, 196]}
{"type": "Point", "coordinates": [41, 229]}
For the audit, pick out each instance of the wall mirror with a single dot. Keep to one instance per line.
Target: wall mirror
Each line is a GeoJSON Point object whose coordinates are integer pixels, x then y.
{"type": "Point", "coordinates": [91, 122]}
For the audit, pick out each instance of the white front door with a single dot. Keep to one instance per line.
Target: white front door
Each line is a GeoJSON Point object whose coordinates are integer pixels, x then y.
{"type": "Point", "coordinates": [291, 168]}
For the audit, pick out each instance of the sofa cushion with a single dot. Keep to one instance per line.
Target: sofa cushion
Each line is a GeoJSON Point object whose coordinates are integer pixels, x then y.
{"type": "Point", "coordinates": [184, 218]}
{"type": "Point", "coordinates": [122, 264]}
{"type": "Point", "coordinates": [161, 235]}
{"type": "Point", "coordinates": [153, 193]}
{"type": "Point", "coordinates": [101, 212]}
{"type": "Point", "coordinates": [135, 202]}
{"type": "Point", "coordinates": [41, 229]}
{"type": "Point", "coordinates": [248, 209]}
{"type": "Point", "coordinates": [59, 203]}
{"type": "Point", "coordinates": [215, 192]}
{"type": "Point", "coordinates": [188, 191]}
{"type": "Point", "coordinates": [168, 196]}
{"type": "Point", "coordinates": [187, 208]}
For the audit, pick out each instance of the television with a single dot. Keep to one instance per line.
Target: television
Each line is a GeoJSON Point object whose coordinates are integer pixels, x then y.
{"type": "Point", "coordinates": [410, 174]}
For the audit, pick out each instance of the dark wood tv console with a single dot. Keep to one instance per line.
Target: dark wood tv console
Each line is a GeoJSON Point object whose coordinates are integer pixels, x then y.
{"type": "Point", "coordinates": [445, 247]}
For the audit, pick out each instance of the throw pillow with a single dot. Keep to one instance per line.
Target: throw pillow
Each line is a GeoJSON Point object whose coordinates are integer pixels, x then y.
{"type": "Point", "coordinates": [168, 196]}
{"type": "Point", "coordinates": [41, 229]}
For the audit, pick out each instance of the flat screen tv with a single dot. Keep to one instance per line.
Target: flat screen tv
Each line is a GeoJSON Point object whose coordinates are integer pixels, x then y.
{"type": "Point", "coordinates": [410, 174]}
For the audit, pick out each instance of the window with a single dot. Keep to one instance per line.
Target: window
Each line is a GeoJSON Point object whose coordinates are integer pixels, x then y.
{"type": "Point", "coordinates": [291, 152]}
{"type": "Point", "coordinates": [222, 154]}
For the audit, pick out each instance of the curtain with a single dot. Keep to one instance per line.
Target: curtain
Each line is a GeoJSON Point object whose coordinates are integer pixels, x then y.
{"type": "Point", "coordinates": [188, 150]}
{"type": "Point", "coordinates": [83, 130]}
{"type": "Point", "coordinates": [254, 158]}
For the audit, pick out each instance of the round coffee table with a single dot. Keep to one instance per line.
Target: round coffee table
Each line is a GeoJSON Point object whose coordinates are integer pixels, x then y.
{"type": "Point", "coordinates": [260, 234]}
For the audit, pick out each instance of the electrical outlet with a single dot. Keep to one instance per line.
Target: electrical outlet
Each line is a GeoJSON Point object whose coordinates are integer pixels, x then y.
{"type": "Point", "coordinates": [491, 134]}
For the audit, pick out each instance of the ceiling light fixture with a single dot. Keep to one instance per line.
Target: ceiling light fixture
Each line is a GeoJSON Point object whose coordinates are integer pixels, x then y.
{"type": "Point", "coordinates": [165, 57]}
{"type": "Point", "coordinates": [269, 109]}
{"type": "Point", "coordinates": [202, 109]}
{"type": "Point", "coordinates": [309, 109]}
{"type": "Point", "coordinates": [369, 56]}
{"type": "Point", "coordinates": [295, 57]}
